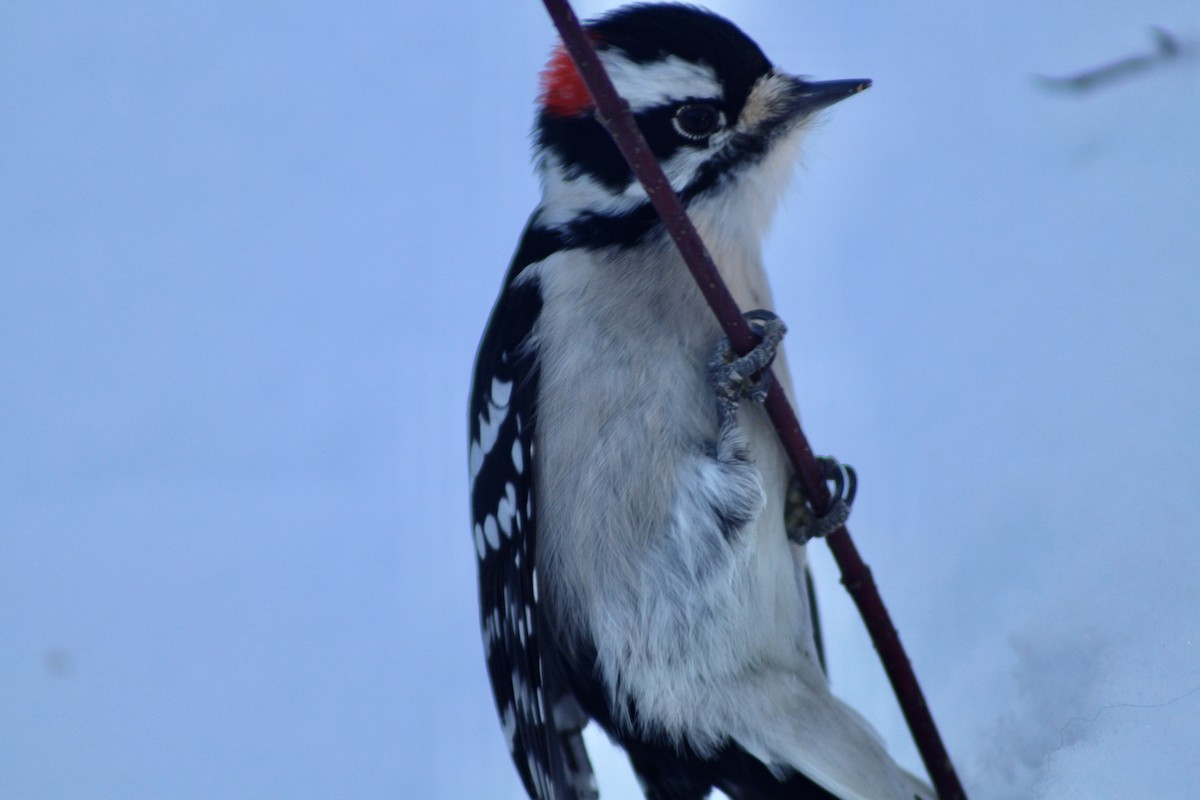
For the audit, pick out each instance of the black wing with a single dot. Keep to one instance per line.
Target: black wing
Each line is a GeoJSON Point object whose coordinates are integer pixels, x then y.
{"type": "Point", "coordinates": [525, 681]}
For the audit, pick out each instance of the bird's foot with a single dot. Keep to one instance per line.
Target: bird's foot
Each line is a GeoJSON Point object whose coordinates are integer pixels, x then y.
{"type": "Point", "coordinates": [734, 377]}
{"type": "Point", "coordinates": [801, 523]}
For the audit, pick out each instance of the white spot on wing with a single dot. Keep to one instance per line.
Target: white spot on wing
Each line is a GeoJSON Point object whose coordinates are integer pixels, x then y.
{"type": "Point", "coordinates": [522, 697]}
{"type": "Point", "coordinates": [479, 542]}
{"type": "Point", "coordinates": [508, 721]}
{"type": "Point", "coordinates": [489, 427]}
{"type": "Point", "coordinates": [477, 460]}
{"type": "Point", "coordinates": [518, 459]}
{"type": "Point", "coordinates": [501, 392]}
{"type": "Point", "coordinates": [538, 778]}
{"type": "Point", "coordinates": [494, 415]}
{"type": "Point", "coordinates": [491, 631]}
{"type": "Point", "coordinates": [540, 707]}
{"type": "Point", "coordinates": [507, 511]}
{"type": "Point", "coordinates": [490, 533]}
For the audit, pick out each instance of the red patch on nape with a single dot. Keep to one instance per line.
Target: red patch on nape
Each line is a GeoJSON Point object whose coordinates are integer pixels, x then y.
{"type": "Point", "coordinates": [564, 93]}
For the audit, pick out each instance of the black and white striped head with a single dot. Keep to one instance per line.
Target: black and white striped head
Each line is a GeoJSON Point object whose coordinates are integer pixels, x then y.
{"type": "Point", "coordinates": [712, 107]}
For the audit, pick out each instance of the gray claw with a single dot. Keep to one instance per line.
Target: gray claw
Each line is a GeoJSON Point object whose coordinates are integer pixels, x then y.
{"type": "Point", "coordinates": [734, 377]}
{"type": "Point", "coordinates": [806, 525]}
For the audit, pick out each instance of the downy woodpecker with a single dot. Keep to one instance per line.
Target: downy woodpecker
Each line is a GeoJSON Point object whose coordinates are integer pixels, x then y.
{"type": "Point", "coordinates": [634, 564]}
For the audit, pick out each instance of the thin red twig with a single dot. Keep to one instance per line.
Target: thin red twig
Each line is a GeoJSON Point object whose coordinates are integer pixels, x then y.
{"type": "Point", "coordinates": [614, 113]}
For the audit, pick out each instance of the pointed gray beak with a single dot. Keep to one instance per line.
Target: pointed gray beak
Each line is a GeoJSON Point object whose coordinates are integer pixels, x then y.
{"type": "Point", "coordinates": [812, 96]}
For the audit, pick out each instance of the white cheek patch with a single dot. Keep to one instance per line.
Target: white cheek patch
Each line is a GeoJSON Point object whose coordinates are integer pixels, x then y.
{"type": "Point", "coordinates": [565, 197]}
{"type": "Point", "coordinates": [681, 168]}
{"type": "Point", "coordinates": [647, 85]}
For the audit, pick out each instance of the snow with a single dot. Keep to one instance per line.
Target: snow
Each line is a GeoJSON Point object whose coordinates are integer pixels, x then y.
{"type": "Point", "coordinates": [245, 257]}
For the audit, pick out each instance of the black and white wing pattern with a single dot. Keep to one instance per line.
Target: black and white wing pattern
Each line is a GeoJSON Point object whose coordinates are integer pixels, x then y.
{"type": "Point", "coordinates": [525, 679]}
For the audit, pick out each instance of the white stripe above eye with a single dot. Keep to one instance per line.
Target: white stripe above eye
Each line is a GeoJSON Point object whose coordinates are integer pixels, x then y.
{"type": "Point", "coordinates": [647, 85]}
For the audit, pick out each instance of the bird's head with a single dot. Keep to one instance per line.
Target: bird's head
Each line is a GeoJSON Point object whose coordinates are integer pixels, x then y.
{"type": "Point", "coordinates": [722, 121]}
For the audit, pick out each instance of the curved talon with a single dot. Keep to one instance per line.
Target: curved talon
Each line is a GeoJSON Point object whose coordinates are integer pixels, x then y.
{"type": "Point", "coordinates": [853, 477]}
{"type": "Point", "coordinates": [845, 487]}
{"type": "Point", "coordinates": [841, 475]}
{"type": "Point", "coordinates": [762, 316]}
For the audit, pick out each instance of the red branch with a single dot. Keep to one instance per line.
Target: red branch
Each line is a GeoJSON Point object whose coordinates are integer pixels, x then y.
{"type": "Point", "coordinates": [614, 113]}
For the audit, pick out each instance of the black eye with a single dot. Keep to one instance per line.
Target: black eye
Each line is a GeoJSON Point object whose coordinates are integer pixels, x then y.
{"type": "Point", "coordinates": [697, 120]}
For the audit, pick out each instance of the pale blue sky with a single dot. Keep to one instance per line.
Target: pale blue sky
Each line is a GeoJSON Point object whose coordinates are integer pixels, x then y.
{"type": "Point", "coordinates": [245, 256]}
